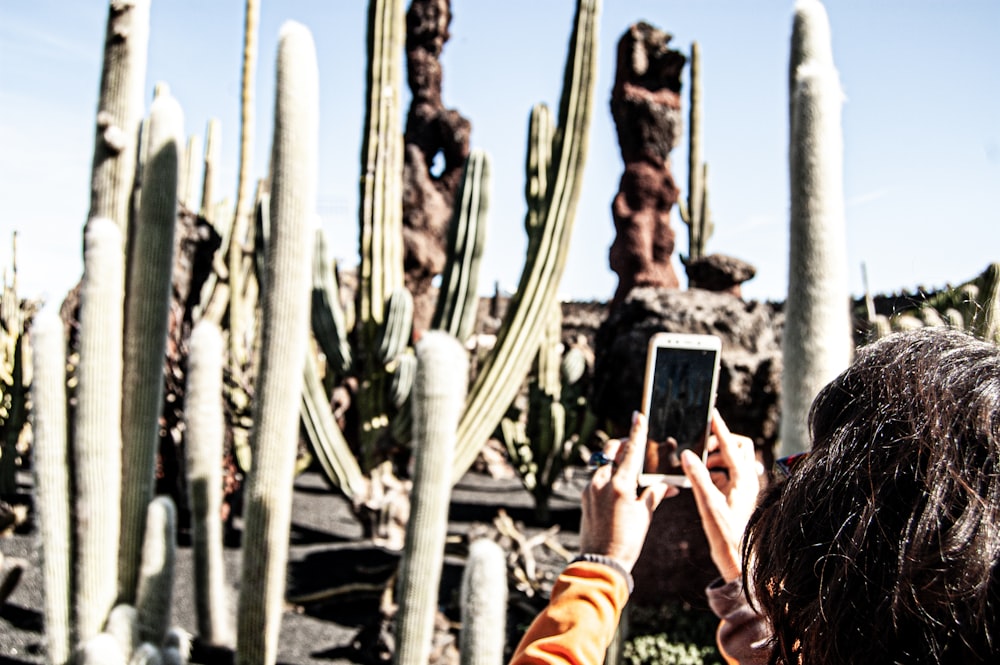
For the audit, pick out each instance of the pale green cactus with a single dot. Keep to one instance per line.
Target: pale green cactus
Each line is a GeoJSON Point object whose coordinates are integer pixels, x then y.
{"type": "Point", "coordinates": [97, 444]}
{"type": "Point", "coordinates": [155, 589]}
{"type": "Point", "coordinates": [52, 477]}
{"type": "Point", "coordinates": [205, 433]}
{"type": "Point", "coordinates": [483, 604]}
{"type": "Point", "coordinates": [696, 214]}
{"type": "Point", "coordinates": [817, 343]}
{"type": "Point", "coordinates": [147, 308]}
{"type": "Point", "coordinates": [284, 336]}
{"type": "Point", "coordinates": [437, 401]}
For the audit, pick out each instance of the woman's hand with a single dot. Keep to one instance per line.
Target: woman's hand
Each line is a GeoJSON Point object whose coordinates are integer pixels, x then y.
{"type": "Point", "coordinates": [615, 517]}
{"type": "Point", "coordinates": [726, 493]}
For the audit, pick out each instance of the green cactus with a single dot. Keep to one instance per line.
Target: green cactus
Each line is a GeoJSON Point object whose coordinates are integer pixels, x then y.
{"type": "Point", "coordinates": [147, 306]}
{"type": "Point", "coordinates": [817, 343]}
{"type": "Point", "coordinates": [100, 649]}
{"type": "Point", "coordinates": [213, 155]}
{"type": "Point", "coordinates": [123, 625]}
{"type": "Point", "coordinates": [204, 427]}
{"type": "Point", "coordinates": [554, 163]}
{"type": "Point", "coordinates": [437, 400]}
{"type": "Point", "coordinates": [544, 438]}
{"type": "Point", "coordinates": [483, 604]}
{"type": "Point", "coordinates": [329, 324]}
{"type": "Point", "coordinates": [458, 301]}
{"type": "Point", "coordinates": [268, 496]}
{"type": "Point", "coordinates": [52, 480]}
{"type": "Point", "coordinates": [696, 214]}
{"type": "Point", "coordinates": [154, 594]}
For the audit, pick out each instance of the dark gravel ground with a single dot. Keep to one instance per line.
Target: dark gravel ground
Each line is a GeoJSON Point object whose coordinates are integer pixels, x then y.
{"type": "Point", "coordinates": [327, 549]}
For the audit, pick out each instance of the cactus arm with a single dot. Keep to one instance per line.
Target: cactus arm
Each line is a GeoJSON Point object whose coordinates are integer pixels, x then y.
{"type": "Point", "coordinates": [97, 444]}
{"type": "Point", "coordinates": [483, 605]}
{"type": "Point", "coordinates": [213, 155]}
{"type": "Point", "coordinates": [244, 193]}
{"type": "Point", "coordinates": [284, 343]}
{"type": "Point", "coordinates": [123, 625]}
{"type": "Point", "coordinates": [147, 305]}
{"type": "Point", "coordinates": [394, 335]}
{"type": "Point", "coordinates": [204, 422]}
{"type": "Point", "coordinates": [519, 336]}
{"type": "Point", "coordinates": [154, 596]}
{"type": "Point", "coordinates": [437, 400]}
{"type": "Point", "coordinates": [538, 166]}
{"type": "Point", "coordinates": [51, 467]}
{"type": "Point", "coordinates": [457, 305]}
{"type": "Point", "coordinates": [696, 243]}
{"type": "Point", "coordinates": [328, 323]}
{"type": "Point", "coordinates": [119, 111]}
{"type": "Point", "coordinates": [327, 441]}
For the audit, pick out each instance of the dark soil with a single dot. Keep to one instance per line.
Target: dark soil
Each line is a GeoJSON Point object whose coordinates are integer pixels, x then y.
{"type": "Point", "coordinates": [327, 551]}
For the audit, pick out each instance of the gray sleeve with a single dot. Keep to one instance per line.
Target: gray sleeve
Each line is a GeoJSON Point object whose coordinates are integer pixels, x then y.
{"type": "Point", "coordinates": [743, 635]}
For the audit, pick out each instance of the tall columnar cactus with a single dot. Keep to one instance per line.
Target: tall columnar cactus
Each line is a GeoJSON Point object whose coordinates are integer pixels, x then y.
{"type": "Point", "coordinates": [500, 378]}
{"type": "Point", "coordinates": [437, 400]}
{"type": "Point", "coordinates": [97, 443]}
{"type": "Point", "coordinates": [119, 110]}
{"type": "Point", "coordinates": [155, 589]}
{"type": "Point", "coordinates": [213, 154]}
{"type": "Point", "coordinates": [696, 213]}
{"type": "Point", "coordinates": [483, 604]}
{"type": "Point", "coordinates": [204, 426]}
{"type": "Point", "coordinates": [381, 237]}
{"type": "Point", "coordinates": [147, 305]}
{"type": "Point", "coordinates": [52, 483]}
{"type": "Point", "coordinates": [817, 341]}
{"type": "Point", "coordinates": [268, 496]}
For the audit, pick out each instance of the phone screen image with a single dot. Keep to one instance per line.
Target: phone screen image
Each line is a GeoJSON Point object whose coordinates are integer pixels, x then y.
{"type": "Point", "coordinates": [681, 397]}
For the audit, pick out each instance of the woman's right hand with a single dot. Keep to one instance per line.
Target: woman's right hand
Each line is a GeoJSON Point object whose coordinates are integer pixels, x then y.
{"type": "Point", "coordinates": [726, 493]}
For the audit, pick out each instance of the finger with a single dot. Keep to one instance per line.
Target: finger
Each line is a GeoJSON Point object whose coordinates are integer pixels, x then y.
{"type": "Point", "coordinates": [634, 448]}
{"type": "Point", "coordinates": [657, 492]}
{"type": "Point", "coordinates": [707, 496]}
{"type": "Point", "coordinates": [729, 445]}
{"type": "Point", "coordinates": [611, 447]}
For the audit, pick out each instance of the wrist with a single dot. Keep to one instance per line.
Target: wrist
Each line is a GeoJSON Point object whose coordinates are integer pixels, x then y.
{"type": "Point", "coordinates": [610, 562]}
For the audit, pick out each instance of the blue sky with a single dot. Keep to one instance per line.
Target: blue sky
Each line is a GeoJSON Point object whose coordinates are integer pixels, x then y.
{"type": "Point", "coordinates": [921, 124]}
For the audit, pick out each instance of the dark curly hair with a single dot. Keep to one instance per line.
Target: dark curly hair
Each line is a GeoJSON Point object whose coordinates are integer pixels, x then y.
{"type": "Point", "coordinates": [882, 546]}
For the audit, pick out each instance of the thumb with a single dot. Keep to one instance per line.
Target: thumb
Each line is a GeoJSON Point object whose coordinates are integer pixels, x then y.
{"type": "Point", "coordinates": [656, 493]}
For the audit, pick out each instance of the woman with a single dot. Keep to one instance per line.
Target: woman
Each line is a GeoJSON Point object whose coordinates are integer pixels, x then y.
{"type": "Point", "coordinates": [881, 546]}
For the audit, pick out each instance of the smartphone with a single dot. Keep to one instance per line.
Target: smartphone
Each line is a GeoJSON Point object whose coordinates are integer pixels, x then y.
{"type": "Point", "coordinates": [682, 376]}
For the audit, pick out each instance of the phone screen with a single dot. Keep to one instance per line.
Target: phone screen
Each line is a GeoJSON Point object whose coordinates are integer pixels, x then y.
{"type": "Point", "coordinates": [680, 403]}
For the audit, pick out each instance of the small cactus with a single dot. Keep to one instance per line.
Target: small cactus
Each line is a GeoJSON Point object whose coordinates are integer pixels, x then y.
{"type": "Point", "coordinates": [484, 604]}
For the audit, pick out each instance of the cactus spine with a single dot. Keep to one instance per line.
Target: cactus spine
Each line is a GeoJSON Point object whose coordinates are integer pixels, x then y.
{"type": "Point", "coordinates": [154, 595]}
{"type": "Point", "coordinates": [51, 465]}
{"type": "Point", "coordinates": [97, 446]}
{"type": "Point", "coordinates": [437, 399]}
{"type": "Point", "coordinates": [268, 497]}
{"type": "Point", "coordinates": [519, 336]}
{"type": "Point", "coordinates": [147, 306]}
{"type": "Point", "coordinates": [484, 604]}
{"type": "Point", "coordinates": [204, 431]}
{"type": "Point", "coordinates": [816, 343]}
{"type": "Point", "coordinates": [119, 110]}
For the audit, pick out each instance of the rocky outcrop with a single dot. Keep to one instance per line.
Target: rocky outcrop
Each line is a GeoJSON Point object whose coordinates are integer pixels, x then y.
{"type": "Point", "coordinates": [646, 106]}
{"type": "Point", "coordinates": [675, 564]}
{"type": "Point", "coordinates": [436, 147]}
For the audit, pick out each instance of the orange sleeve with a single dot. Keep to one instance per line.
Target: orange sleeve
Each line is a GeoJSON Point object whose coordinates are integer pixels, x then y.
{"type": "Point", "coordinates": [580, 620]}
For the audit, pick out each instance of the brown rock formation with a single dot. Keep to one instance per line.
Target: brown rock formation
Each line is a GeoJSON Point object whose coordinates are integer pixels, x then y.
{"type": "Point", "coordinates": [718, 272]}
{"type": "Point", "coordinates": [432, 133]}
{"type": "Point", "coordinates": [646, 106]}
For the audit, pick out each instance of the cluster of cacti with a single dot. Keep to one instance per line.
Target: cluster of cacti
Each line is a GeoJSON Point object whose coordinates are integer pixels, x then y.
{"type": "Point", "coordinates": [972, 306]}
{"type": "Point", "coordinates": [696, 214]}
{"type": "Point", "coordinates": [545, 437]}
{"type": "Point", "coordinates": [816, 342]}
{"type": "Point", "coordinates": [555, 161]}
